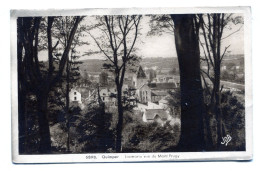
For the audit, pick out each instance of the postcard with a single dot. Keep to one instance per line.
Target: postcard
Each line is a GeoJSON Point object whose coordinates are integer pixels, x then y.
{"type": "Point", "coordinates": [131, 85]}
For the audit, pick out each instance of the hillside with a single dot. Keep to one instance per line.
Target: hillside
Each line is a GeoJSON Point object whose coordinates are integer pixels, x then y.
{"type": "Point", "coordinates": [95, 65]}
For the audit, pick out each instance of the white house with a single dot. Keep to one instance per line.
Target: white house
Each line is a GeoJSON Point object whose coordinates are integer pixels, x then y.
{"type": "Point", "coordinates": [224, 67]}
{"type": "Point", "coordinates": [163, 103]}
{"type": "Point", "coordinates": [156, 115]}
{"type": "Point", "coordinates": [152, 105]}
{"type": "Point", "coordinates": [75, 96]}
{"type": "Point", "coordinates": [106, 95]}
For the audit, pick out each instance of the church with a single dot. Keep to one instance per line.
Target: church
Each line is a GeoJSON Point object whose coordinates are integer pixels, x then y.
{"type": "Point", "coordinates": [139, 78]}
{"type": "Point", "coordinates": [151, 91]}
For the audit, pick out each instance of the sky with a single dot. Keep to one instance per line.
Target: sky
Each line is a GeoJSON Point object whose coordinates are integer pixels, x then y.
{"type": "Point", "coordinates": [157, 46]}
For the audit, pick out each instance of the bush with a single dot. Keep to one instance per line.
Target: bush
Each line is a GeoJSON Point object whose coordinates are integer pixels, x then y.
{"type": "Point", "coordinates": [94, 130]}
{"type": "Point", "coordinates": [149, 137]}
{"type": "Point", "coordinates": [233, 111]}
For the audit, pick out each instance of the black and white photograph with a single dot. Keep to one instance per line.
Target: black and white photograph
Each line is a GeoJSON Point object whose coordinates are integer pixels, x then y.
{"type": "Point", "coordinates": [131, 86]}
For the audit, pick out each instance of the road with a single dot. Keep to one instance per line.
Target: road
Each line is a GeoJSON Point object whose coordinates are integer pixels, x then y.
{"type": "Point", "coordinates": [228, 84]}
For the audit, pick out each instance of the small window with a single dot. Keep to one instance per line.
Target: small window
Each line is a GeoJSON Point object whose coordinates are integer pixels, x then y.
{"type": "Point", "coordinates": [75, 98]}
{"type": "Point", "coordinates": [75, 93]}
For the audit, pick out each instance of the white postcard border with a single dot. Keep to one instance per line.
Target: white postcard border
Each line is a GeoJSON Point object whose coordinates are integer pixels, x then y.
{"type": "Point", "coordinates": [133, 157]}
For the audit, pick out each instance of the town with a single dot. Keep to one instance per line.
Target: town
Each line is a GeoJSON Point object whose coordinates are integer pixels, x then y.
{"type": "Point", "coordinates": [127, 83]}
{"type": "Point", "coordinates": [146, 89]}
{"type": "Point", "coordinates": [147, 94]}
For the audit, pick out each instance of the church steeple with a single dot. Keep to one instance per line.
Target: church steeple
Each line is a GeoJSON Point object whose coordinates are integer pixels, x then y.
{"type": "Point", "coordinates": [141, 73]}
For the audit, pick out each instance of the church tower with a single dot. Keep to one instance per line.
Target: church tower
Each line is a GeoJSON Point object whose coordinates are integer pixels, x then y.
{"type": "Point", "coordinates": [139, 78]}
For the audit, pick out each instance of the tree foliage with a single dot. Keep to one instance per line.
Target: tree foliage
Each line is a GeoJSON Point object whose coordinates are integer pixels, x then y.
{"type": "Point", "coordinates": [35, 77]}
{"type": "Point", "coordinates": [149, 137]}
{"type": "Point", "coordinates": [94, 130]}
{"type": "Point", "coordinates": [117, 43]}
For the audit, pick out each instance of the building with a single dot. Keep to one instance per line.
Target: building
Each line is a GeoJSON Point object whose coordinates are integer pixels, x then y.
{"type": "Point", "coordinates": [154, 92]}
{"type": "Point", "coordinates": [108, 96]}
{"type": "Point", "coordinates": [158, 95]}
{"type": "Point", "coordinates": [165, 70]}
{"type": "Point", "coordinates": [167, 78]}
{"type": "Point", "coordinates": [139, 78]}
{"type": "Point", "coordinates": [159, 78]}
{"type": "Point", "coordinates": [156, 115]}
{"type": "Point", "coordinates": [75, 96]}
{"type": "Point", "coordinates": [144, 94]}
{"type": "Point", "coordinates": [151, 105]}
{"type": "Point", "coordinates": [223, 68]}
{"type": "Point", "coordinates": [163, 103]}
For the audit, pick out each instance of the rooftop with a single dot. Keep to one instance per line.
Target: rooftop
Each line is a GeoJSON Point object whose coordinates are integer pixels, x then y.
{"type": "Point", "coordinates": [162, 86]}
{"type": "Point", "coordinates": [140, 73]}
{"type": "Point", "coordinates": [159, 93]}
{"type": "Point", "coordinates": [151, 114]}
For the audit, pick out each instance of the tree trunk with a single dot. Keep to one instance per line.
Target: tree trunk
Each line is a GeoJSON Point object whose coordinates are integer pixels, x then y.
{"type": "Point", "coordinates": [101, 127]}
{"type": "Point", "coordinates": [218, 110]}
{"type": "Point", "coordinates": [21, 91]}
{"type": "Point", "coordinates": [67, 113]}
{"type": "Point", "coordinates": [23, 135]}
{"type": "Point", "coordinates": [207, 129]}
{"type": "Point", "coordinates": [192, 104]}
{"type": "Point", "coordinates": [120, 120]}
{"type": "Point", "coordinates": [44, 129]}
{"type": "Point", "coordinates": [68, 106]}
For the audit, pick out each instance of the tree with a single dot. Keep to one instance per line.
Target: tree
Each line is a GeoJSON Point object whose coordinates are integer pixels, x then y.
{"type": "Point", "coordinates": [117, 41]}
{"type": "Point", "coordinates": [186, 29]}
{"type": "Point", "coordinates": [174, 102]}
{"type": "Point", "coordinates": [213, 27]}
{"type": "Point", "coordinates": [152, 74]}
{"type": "Point", "coordinates": [94, 129]}
{"type": "Point", "coordinates": [148, 137]}
{"type": "Point", "coordinates": [186, 34]}
{"type": "Point", "coordinates": [160, 24]}
{"type": "Point", "coordinates": [84, 77]}
{"type": "Point", "coordinates": [103, 79]}
{"type": "Point", "coordinates": [40, 80]}
{"type": "Point", "coordinates": [63, 26]}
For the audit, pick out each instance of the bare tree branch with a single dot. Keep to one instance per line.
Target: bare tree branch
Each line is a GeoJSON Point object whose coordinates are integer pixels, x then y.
{"type": "Point", "coordinates": [207, 45]}
{"type": "Point", "coordinates": [107, 20]}
{"type": "Point", "coordinates": [110, 58]}
{"type": "Point", "coordinates": [224, 52]}
{"type": "Point", "coordinates": [207, 74]}
{"type": "Point", "coordinates": [232, 33]}
{"type": "Point", "coordinates": [136, 33]}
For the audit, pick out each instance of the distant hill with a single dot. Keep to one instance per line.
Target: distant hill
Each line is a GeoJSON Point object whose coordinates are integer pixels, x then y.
{"type": "Point", "coordinates": [160, 62]}
{"type": "Point", "coordinates": [95, 65]}
{"type": "Point", "coordinates": [92, 65]}
{"type": "Point", "coordinates": [235, 59]}
{"type": "Point", "coordinates": [231, 59]}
